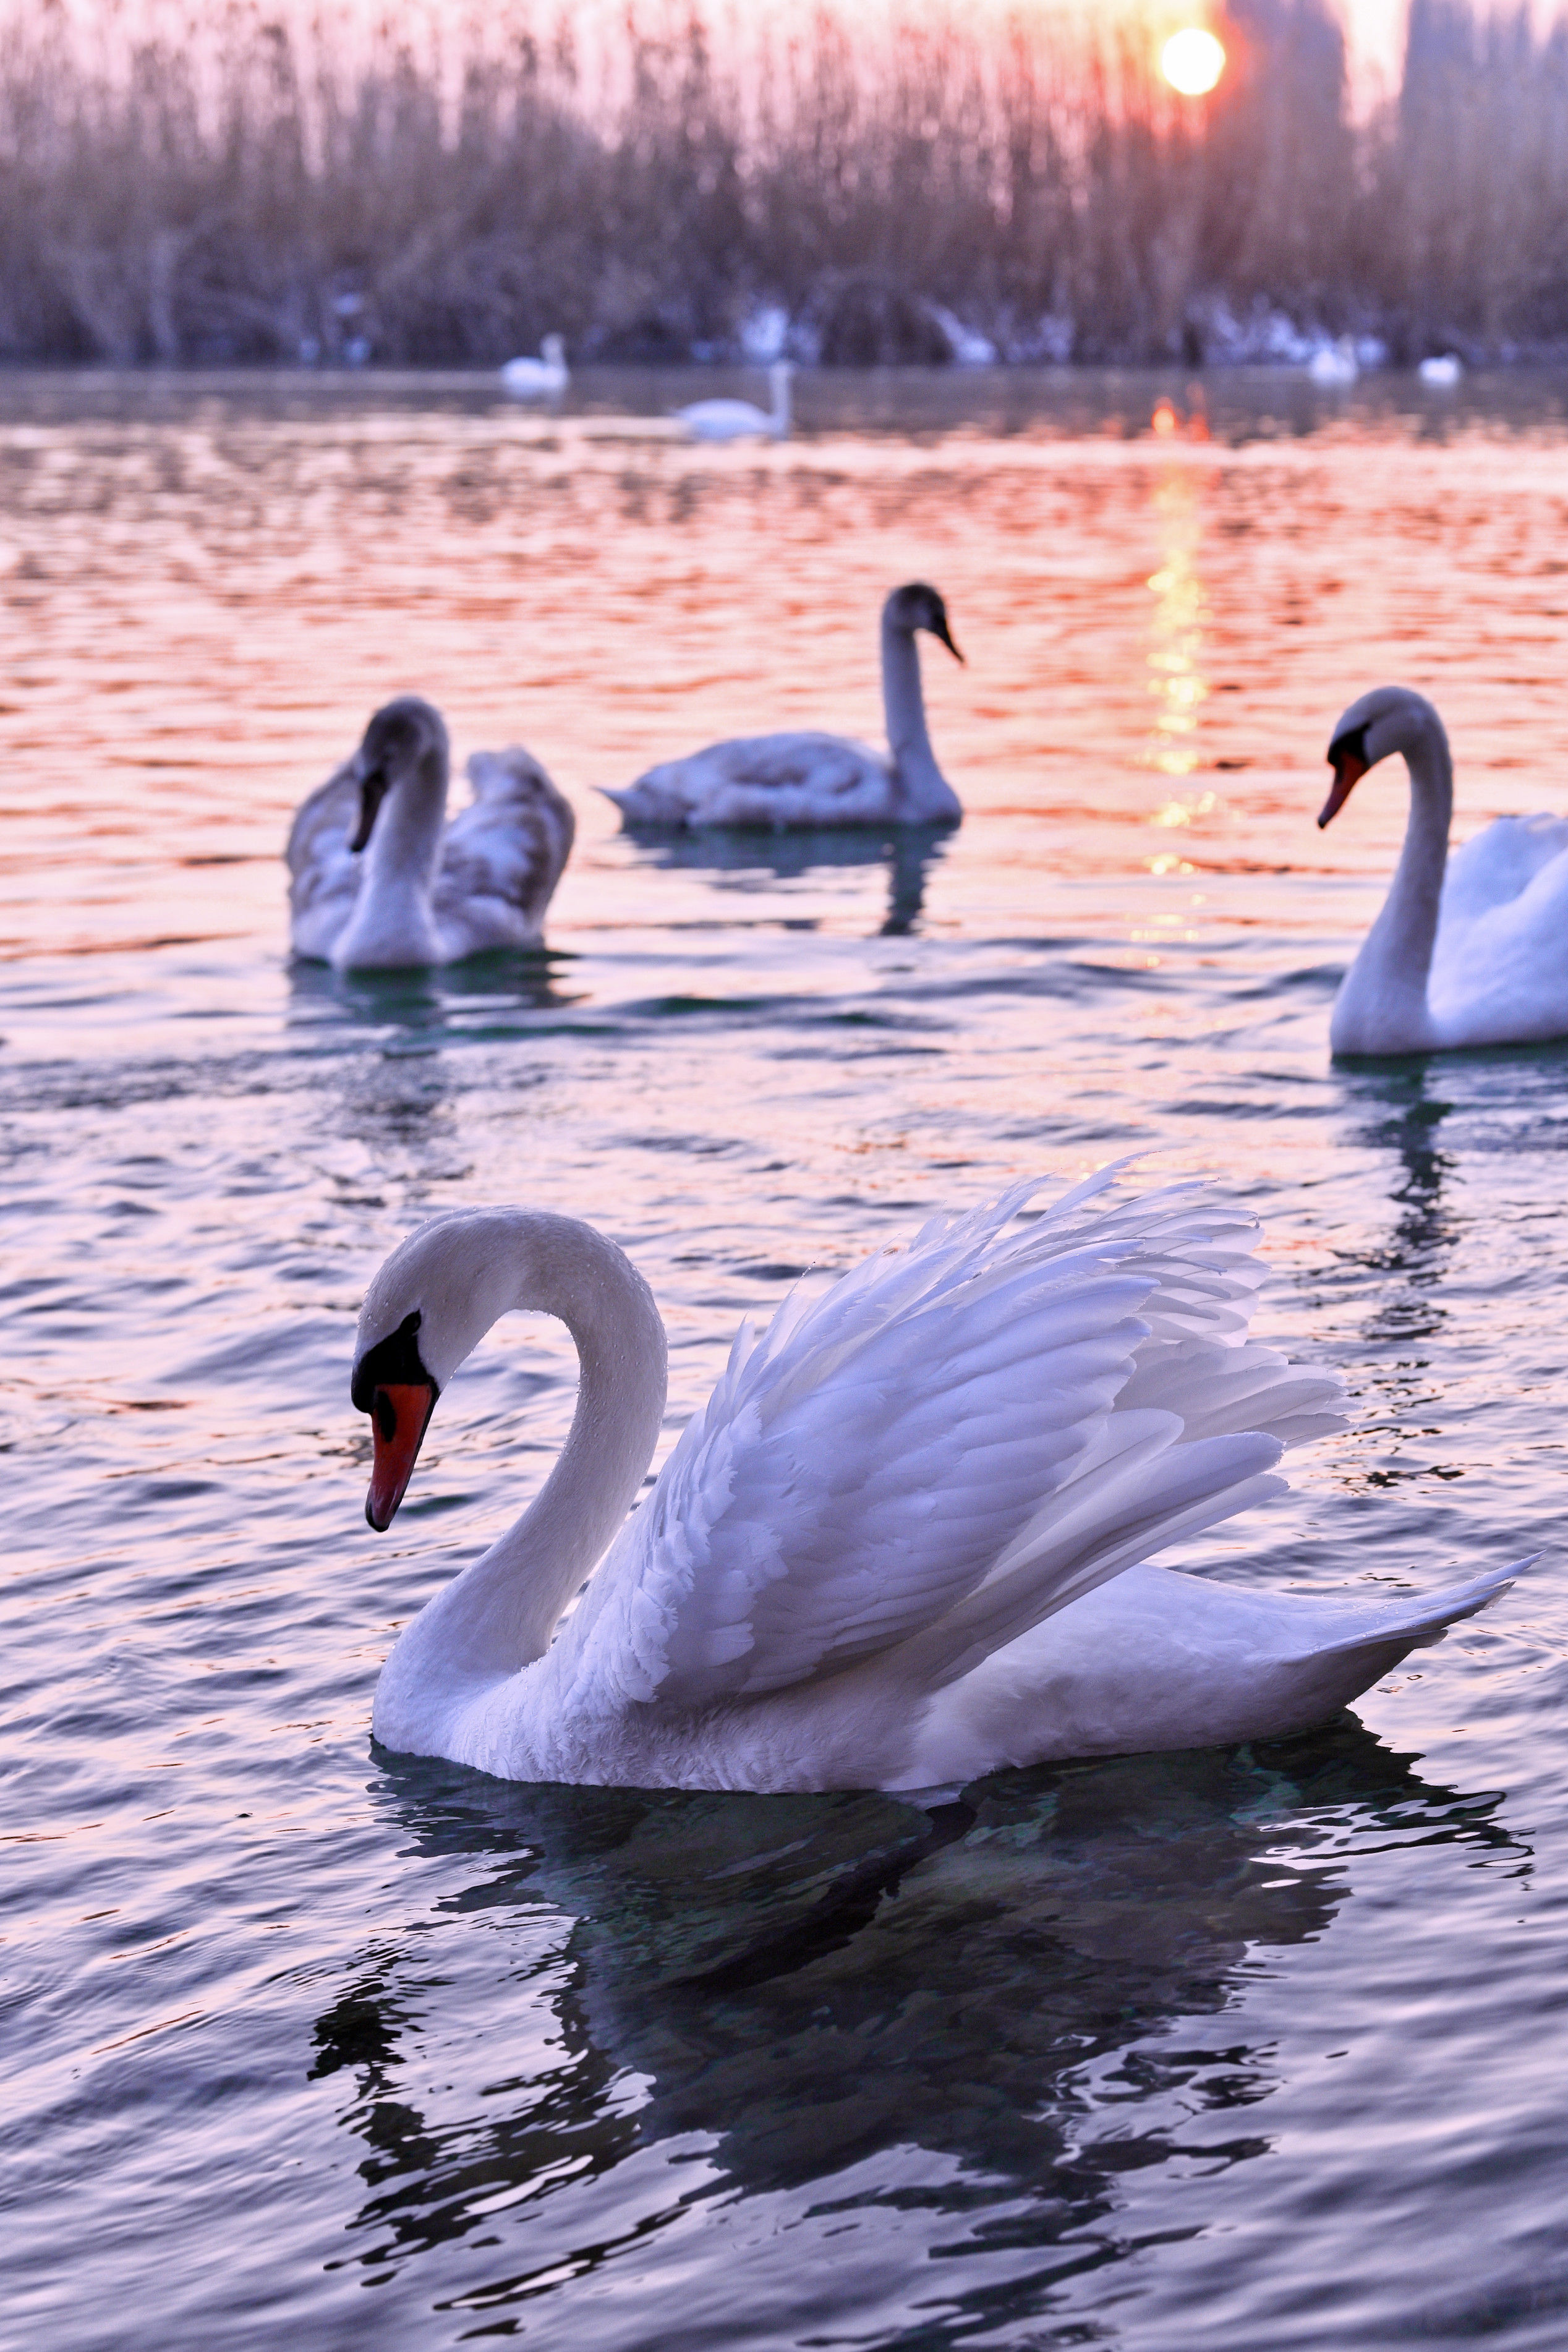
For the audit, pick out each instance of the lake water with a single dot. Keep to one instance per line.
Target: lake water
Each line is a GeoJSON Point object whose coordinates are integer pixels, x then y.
{"type": "Point", "coordinates": [1263, 2048]}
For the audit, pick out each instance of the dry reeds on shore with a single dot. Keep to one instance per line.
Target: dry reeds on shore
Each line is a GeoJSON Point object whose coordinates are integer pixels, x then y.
{"type": "Point", "coordinates": [242, 190]}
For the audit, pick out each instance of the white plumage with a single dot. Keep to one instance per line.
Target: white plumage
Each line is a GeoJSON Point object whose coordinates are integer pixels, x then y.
{"type": "Point", "coordinates": [808, 781]}
{"type": "Point", "coordinates": [544, 378]}
{"type": "Point", "coordinates": [1467, 952]}
{"type": "Point", "coordinates": [874, 1556]}
{"type": "Point", "coordinates": [741, 420]}
{"type": "Point", "coordinates": [378, 879]}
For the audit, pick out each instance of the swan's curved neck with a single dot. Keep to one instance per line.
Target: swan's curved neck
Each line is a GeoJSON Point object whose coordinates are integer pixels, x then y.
{"type": "Point", "coordinates": [406, 840]}
{"type": "Point", "coordinates": [780, 418]}
{"type": "Point", "coordinates": [1383, 1007]}
{"type": "Point", "coordinates": [500, 1614]}
{"type": "Point", "coordinates": [928, 796]}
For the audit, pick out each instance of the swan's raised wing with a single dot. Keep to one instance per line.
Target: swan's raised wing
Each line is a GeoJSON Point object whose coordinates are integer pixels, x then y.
{"type": "Point", "coordinates": [1499, 973]}
{"type": "Point", "coordinates": [767, 780]}
{"type": "Point", "coordinates": [503, 856]}
{"type": "Point", "coordinates": [323, 872]}
{"type": "Point", "coordinates": [944, 1446]}
{"type": "Point", "coordinates": [1498, 864]}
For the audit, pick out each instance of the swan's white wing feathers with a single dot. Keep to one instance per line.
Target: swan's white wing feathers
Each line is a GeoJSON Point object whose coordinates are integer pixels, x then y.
{"type": "Point", "coordinates": [503, 855]}
{"type": "Point", "coordinates": [934, 1450]}
{"type": "Point", "coordinates": [770, 781]}
{"type": "Point", "coordinates": [323, 872]}
{"type": "Point", "coordinates": [1499, 862]}
{"type": "Point", "coordinates": [1500, 974]}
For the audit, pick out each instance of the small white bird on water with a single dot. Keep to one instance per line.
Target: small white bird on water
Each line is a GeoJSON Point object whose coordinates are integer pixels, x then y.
{"type": "Point", "coordinates": [741, 420]}
{"type": "Point", "coordinates": [806, 781]}
{"type": "Point", "coordinates": [1335, 365]}
{"type": "Point", "coordinates": [904, 1542]}
{"type": "Point", "coordinates": [1467, 950]}
{"type": "Point", "coordinates": [545, 378]}
{"type": "Point", "coordinates": [378, 881]}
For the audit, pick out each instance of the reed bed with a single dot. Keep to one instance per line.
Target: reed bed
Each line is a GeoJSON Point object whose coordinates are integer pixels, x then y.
{"type": "Point", "coordinates": [243, 188]}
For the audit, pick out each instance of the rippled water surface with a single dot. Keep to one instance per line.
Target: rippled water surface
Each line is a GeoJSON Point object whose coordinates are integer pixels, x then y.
{"type": "Point", "coordinates": [1262, 2048]}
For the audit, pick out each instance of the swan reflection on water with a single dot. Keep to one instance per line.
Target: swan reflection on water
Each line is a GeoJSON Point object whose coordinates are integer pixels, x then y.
{"type": "Point", "coordinates": [748, 859]}
{"type": "Point", "coordinates": [426, 1004]}
{"type": "Point", "coordinates": [840, 1994]}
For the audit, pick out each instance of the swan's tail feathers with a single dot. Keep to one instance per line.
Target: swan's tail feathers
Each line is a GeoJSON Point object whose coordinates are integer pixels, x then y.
{"type": "Point", "coordinates": [1425, 1617]}
{"type": "Point", "coordinates": [647, 802]}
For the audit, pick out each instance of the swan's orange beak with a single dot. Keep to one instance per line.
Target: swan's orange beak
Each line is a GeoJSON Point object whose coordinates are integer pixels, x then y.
{"type": "Point", "coordinates": [399, 1417]}
{"type": "Point", "coordinates": [1349, 766]}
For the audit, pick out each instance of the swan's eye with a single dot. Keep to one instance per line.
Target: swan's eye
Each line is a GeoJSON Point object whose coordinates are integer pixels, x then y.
{"type": "Point", "coordinates": [385, 1415]}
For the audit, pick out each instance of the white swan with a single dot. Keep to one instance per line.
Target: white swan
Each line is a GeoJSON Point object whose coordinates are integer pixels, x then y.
{"type": "Point", "coordinates": [1335, 364]}
{"type": "Point", "coordinates": [1467, 953]}
{"type": "Point", "coordinates": [872, 1559]}
{"type": "Point", "coordinates": [1444, 370]}
{"type": "Point", "coordinates": [799, 781]}
{"type": "Point", "coordinates": [375, 882]}
{"type": "Point", "coordinates": [741, 420]}
{"type": "Point", "coordinates": [545, 378]}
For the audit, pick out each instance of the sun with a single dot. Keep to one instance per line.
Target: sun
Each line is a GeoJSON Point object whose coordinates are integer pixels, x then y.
{"type": "Point", "coordinates": [1192, 61]}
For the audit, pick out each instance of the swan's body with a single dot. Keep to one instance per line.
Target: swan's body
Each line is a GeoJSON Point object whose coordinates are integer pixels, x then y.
{"type": "Point", "coordinates": [379, 881]}
{"type": "Point", "coordinates": [1444, 372]}
{"type": "Point", "coordinates": [806, 781]}
{"type": "Point", "coordinates": [741, 420]}
{"type": "Point", "coordinates": [1335, 365]}
{"type": "Point", "coordinates": [1472, 950]}
{"type": "Point", "coordinates": [545, 378]}
{"type": "Point", "coordinates": [904, 1543]}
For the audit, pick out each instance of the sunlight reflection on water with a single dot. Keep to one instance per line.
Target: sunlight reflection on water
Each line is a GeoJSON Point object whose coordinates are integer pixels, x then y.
{"type": "Point", "coordinates": [1249, 2047]}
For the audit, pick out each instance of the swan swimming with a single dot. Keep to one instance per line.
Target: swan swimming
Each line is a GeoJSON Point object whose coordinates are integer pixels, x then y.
{"type": "Point", "coordinates": [805, 779]}
{"type": "Point", "coordinates": [377, 883]}
{"type": "Point", "coordinates": [1467, 951]}
{"type": "Point", "coordinates": [545, 378]}
{"type": "Point", "coordinates": [904, 1542]}
{"type": "Point", "coordinates": [741, 420]}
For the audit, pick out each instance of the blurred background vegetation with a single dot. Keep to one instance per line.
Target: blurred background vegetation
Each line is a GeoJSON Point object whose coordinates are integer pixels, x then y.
{"type": "Point", "coordinates": [241, 189]}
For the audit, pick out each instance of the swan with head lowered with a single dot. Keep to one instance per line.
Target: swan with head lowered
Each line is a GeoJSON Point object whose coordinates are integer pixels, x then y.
{"type": "Point", "coordinates": [1467, 950]}
{"type": "Point", "coordinates": [378, 880]}
{"type": "Point", "coordinates": [905, 1541]}
{"type": "Point", "coordinates": [809, 781]}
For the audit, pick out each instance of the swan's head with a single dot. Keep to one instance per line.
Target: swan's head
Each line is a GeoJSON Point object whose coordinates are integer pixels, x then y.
{"type": "Point", "coordinates": [917, 606]}
{"type": "Point", "coordinates": [1389, 719]}
{"type": "Point", "coordinates": [428, 1307]}
{"type": "Point", "coordinates": [400, 737]}
{"type": "Point", "coordinates": [553, 351]}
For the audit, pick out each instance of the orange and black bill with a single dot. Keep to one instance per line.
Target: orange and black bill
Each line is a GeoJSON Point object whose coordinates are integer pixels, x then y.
{"type": "Point", "coordinates": [1347, 757]}
{"type": "Point", "coordinates": [399, 1416]}
{"type": "Point", "coordinates": [390, 1382]}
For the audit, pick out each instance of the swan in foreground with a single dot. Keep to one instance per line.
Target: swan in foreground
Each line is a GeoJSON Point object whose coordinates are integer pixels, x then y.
{"type": "Point", "coordinates": [376, 879]}
{"type": "Point", "coordinates": [741, 420]}
{"type": "Point", "coordinates": [789, 783]}
{"type": "Point", "coordinates": [904, 1543]}
{"type": "Point", "coordinates": [545, 378]}
{"type": "Point", "coordinates": [1465, 952]}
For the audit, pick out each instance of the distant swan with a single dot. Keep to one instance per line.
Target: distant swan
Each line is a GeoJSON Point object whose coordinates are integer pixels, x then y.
{"type": "Point", "coordinates": [1335, 363]}
{"type": "Point", "coordinates": [741, 420]}
{"type": "Point", "coordinates": [544, 378]}
{"type": "Point", "coordinates": [799, 781]}
{"type": "Point", "coordinates": [377, 883]}
{"type": "Point", "coordinates": [872, 1560]}
{"type": "Point", "coordinates": [1467, 953]}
